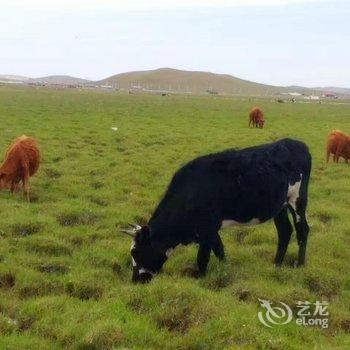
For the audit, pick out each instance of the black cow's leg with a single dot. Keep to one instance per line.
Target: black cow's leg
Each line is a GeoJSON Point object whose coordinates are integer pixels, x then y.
{"type": "Point", "coordinates": [209, 239]}
{"type": "Point", "coordinates": [218, 247]}
{"type": "Point", "coordinates": [284, 230]}
{"type": "Point", "coordinates": [203, 257]}
{"type": "Point", "coordinates": [302, 229]}
{"type": "Point", "coordinates": [298, 210]}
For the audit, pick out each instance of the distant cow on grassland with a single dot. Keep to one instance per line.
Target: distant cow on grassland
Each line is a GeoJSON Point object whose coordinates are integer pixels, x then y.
{"type": "Point", "coordinates": [21, 161]}
{"type": "Point", "coordinates": [338, 144]}
{"type": "Point", "coordinates": [256, 118]}
{"type": "Point", "coordinates": [234, 187]}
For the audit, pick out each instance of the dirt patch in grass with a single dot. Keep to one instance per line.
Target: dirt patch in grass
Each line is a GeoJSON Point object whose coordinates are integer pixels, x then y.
{"type": "Point", "coordinates": [96, 185]}
{"type": "Point", "coordinates": [102, 336]}
{"type": "Point", "coordinates": [53, 268]}
{"type": "Point", "coordinates": [52, 173]}
{"type": "Point", "coordinates": [7, 280]}
{"type": "Point", "coordinates": [77, 241]}
{"type": "Point", "coordinates": [176, 311]}
{"type": "Point", "coordinates": [345, 325]}
{"type": "Point", "coordinates": [99, 152]}
{"type": "Point", "coordinates": [325, 218]}
{"type": "Point", "coordinates": [49, 248]}
{"type": "Point", "coordinates": [219, 279]}
{"type": "Point", "coordinates": [99, 201]}
{"type": "Point", "coordinates": [323, 285]}
{"type": "Point", "coordinates": [177, 320]}
{"type": "Point", "coordinates": [117, 269]}
{"type": "Point", "coordinates": [243, 295]}
{"type": "Point", "coordinates": [83, 291]}
{"type": "Point", "coordinates": [40, 288]}
{"type": "Point", "coordinates": [26, 229]}
{"type": "Point", "coordinates": [56, 159]}
{"type": "Point", "coordinates": [75, 219]}
{"type": "Point", "coordinates": [33, 197]}
{"type": "Point", "coordinates": [135, 304]}
{"type": "Point", "coordinates": [25, 322]}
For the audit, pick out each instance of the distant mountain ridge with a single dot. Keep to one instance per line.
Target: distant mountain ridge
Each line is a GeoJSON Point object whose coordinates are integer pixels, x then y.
{"type": "Point", "coordinates": [9, 77]}
{"type": "Point", "coordinates": [60, 79]}
{"type": "Point", "coordinates": [175, 80]}
{"type": "Point", "coordinates": [334, 89]}
{"type": "Point", "coordinates": [169, 79]}
{"type": "Point", "coordinates": [51, 79]}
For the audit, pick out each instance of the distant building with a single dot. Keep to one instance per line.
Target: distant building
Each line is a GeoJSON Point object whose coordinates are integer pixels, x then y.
{"type": "Point", "coordinates": [330, 95]}
{"type": "Point", "coordinates": [312, 98]}
{"type": "Point", "coordinates": [106, 86]}
{"type": "Point", "coordinates": [291, 93]}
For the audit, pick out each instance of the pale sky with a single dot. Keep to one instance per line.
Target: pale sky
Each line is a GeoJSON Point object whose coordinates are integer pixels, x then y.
{"type": "Point", "coordinates": [281, 42]}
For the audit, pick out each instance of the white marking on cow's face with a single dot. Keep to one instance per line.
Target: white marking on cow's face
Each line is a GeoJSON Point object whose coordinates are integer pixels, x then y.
{"type": "Point", "coordinates": [143, 270]}
{"type": "Point", "coordinates": [169, 252]}
{"type": "Point", "coordinates": [227, 223]}
{"type": "Point", "coordinates": [293, 195]}
{"type": "Point", "coordinates": [133, 262]}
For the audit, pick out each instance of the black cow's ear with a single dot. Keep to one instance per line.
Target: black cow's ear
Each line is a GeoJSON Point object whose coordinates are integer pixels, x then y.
{"type": "Point", "coordinates": [144, 236]}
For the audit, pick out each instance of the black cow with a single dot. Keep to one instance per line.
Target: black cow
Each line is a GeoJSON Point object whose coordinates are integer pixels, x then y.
{"type": "Point", "coordinates": [234, 187]}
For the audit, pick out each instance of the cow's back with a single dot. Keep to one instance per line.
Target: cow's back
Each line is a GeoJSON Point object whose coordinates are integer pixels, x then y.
{"type": "Point", "coordinates": [256, 114]}
{"type": "Point", "coordinates": [23, 152]}
{"type": "Point", "coordinates": [336, 139]}
{"type": "Point", "coordinates": [233, 183]}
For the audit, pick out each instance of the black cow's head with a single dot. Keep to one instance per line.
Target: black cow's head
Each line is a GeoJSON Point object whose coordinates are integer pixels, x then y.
{"type": "Point", "coordinates": [147, 260]}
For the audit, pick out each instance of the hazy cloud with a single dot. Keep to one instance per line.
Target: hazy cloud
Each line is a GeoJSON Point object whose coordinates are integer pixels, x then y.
{"type": "Point", "coordinates": [271, 41]}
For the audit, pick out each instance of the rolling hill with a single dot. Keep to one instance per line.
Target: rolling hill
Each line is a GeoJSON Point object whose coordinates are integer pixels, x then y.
{"type": "Point", "coordinates": [51, 79]}
{"type": "Point", "coordinates": [169, 79]}
{"type": "Point", "coordinates": [9, 77]}
{"type": "Point", "coordinates": [60, 79]}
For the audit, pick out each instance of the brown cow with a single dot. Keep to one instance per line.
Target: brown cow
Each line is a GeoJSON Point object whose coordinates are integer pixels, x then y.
{"type": "Point", "coordinates": [256, 117]}
{"type": "Point", "coordinates": [338, 144]}
{"type": "Point", "coordinates": [22, 160]}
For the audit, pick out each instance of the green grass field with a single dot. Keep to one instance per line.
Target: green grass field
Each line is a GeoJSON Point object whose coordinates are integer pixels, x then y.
{"type": "Point", "coordinates": [65, 270]}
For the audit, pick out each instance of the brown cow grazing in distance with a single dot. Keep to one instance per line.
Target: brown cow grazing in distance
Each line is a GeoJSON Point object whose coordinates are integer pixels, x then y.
{"type": "Point", "coordinates": [256, 117]}
{"type": "Point", "coordinates": [338, 144]}
{"type": "Point", "coordinates": [22, 160]}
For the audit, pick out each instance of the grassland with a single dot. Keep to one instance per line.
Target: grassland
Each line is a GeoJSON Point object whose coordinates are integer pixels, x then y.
{"type": "Point", "coordinates": [65, 269]}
